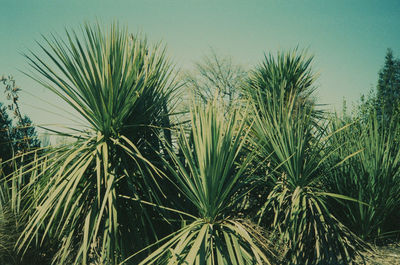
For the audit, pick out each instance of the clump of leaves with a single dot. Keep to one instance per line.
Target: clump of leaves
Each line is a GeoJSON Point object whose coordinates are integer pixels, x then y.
{"type": "Point", "coordinates": [209, 177]}
{"type": "Point", "coordinates": [373, 176]}
{"type": "Point", "coordinates": [119, 86]}
{"type": "Point", "coordinates": [287, 137]}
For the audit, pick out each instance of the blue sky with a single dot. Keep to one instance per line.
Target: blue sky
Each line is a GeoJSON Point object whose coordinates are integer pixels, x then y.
{"type": "Point", "coordinates": [348, 38]}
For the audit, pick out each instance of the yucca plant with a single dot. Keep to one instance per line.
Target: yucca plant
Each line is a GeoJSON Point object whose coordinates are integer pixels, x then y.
{"type": "Point", "coordinates": [373, 176]}
{"type": "Point", "coordinates": [13, 197]}
{"type": "Point", "coordinates": [121, 88]}
{"type": "Point", "coordinates": [293, 146]}
{"type": "Point", "coordinates": [209, 176]}
{"type": "Point", "coordinates": [7, 226]}
{"type": "Point", "coordinates": [289, 72]}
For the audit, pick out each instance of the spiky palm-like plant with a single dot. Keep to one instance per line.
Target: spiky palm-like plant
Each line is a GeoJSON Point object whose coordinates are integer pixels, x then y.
{"type": "Point", "coordinates": [13, 197]}
{"type": "Point", "coordinates": [289, 72]}
{"type": "Point", "coordinates": [209, 177]}
{"type": "Point", "coordinates": [121, 88]}
{"type": "Point", "coordinates": [373, 176]}
{"type": "Point", "coordinates": [289, 140]}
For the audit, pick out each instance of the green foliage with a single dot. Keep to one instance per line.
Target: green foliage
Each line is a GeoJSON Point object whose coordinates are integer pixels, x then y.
{"type": "Point", "coordinates": [117, 84]}
{"type": "Point", "coordinates": [18, 142]}
{"type": "Point", "coordinates": [21, 134]}
{"type": "Point", "coordinates": [388, 88]}
{"type": "Point", "coordinates": [385, 100]}
{"type": "Point", "coordinates": [6, 147]}
{"type": "Point", "coordinates": [372, 176]}
{"type": "Point", "coordinates": [209, 178]}
{"type": "Point", "coordinates": [367, 106]}
{"type": "Point", "coordinates": [12, 223]}
{"type": "Point", "coordinates": [287, 138]}
{"type": "Point", "coordinates": [17, 134]}
{"type": "Point", "coordinates": [127, 188]}
{"type": "Point", "coordinates": [288, 72]}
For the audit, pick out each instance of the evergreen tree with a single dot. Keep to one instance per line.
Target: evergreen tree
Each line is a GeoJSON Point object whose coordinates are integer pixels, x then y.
{"type": "Point", "coordinates": [17, 135]}
{"type": "Point", "coordinates": [5, 135]}
{"type": "Point", "coordinates": [24, 135]}
{"type": "Point", "coordinates": [388, 89]}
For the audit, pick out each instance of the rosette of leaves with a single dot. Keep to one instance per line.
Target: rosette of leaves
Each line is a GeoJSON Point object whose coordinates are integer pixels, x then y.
{"type": "Point", "coordinates": [209, 176]}
{"type": "Point", "coordinates": [120, 87]}
{"type": "Point", "coordinates": [293, 145]}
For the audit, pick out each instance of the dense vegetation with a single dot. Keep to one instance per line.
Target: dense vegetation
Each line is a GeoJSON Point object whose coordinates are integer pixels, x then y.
{"type": "Point", "coordinates": [252, 173]}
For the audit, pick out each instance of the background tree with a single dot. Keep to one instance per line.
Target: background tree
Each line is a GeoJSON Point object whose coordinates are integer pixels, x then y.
{"type": "Point", "coordinates": [388, 88]}
{"type": "Point", "coordinates": [216, 78]}
{"type": "Point", "coordinates": [22, 133]}
{"type": "Point", "coordinates": [5, 137]}
{"type": "Point", "coordinates": [385, 99]}
{"type": "Point", "coordinates": [17, 136]}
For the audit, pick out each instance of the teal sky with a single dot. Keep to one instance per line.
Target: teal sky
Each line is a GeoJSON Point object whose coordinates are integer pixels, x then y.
{"type": "Point", "coordinates": [348, 38]}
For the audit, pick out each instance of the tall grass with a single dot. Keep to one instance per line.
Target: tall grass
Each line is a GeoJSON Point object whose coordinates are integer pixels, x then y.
{"type": "Point", "coordinates": [14, 196]}
{"type": "Point", "coordinates": [372, 177]}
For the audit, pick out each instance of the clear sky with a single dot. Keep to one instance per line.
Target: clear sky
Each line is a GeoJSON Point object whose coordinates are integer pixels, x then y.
{"type": "Point", "coordinates": [348, 38]}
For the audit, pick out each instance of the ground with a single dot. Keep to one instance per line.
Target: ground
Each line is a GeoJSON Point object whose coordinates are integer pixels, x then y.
{"type": "Point", "coordinates": [384, 255]}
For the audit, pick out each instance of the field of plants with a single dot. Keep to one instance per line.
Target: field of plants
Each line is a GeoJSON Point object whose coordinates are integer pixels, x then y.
{"type": "Point", "coordinates": [248, 169]}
